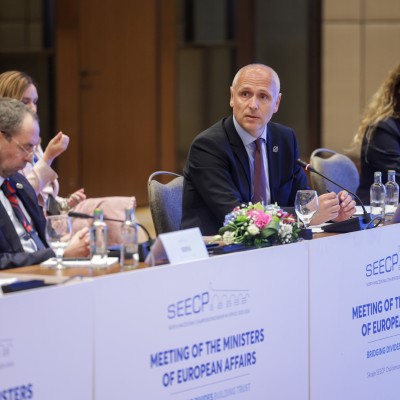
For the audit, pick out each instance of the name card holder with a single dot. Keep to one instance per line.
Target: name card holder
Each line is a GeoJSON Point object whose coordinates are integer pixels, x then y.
{"type": "Point", "coordinates": [177, 247]}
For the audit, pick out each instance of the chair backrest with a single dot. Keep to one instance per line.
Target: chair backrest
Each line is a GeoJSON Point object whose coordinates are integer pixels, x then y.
{"type": "Point", "coordinates": [165, 201]}
{"type": "Point", "coordinates": [335, 166]}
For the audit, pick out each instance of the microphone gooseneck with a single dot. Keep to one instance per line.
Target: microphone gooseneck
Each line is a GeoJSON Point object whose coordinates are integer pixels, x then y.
{"type": "Point", "coordinates": [75, 214]}
{"type": "Point", "coordinates": [308, 167]}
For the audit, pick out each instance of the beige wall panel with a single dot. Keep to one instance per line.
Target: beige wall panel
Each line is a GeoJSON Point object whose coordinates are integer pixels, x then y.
{"type": "Point", "coordinates": [382, 9]}
{"type": "Point", "coordinates": [382, 53]}
{"type": "Point", "coordinates": [341, 9]}
{"type": "Point", "coordinates": [340, 85]}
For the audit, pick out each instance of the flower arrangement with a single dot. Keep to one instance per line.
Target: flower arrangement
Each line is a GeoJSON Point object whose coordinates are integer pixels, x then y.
{"type": "Point", "coordinates": [259, 225]}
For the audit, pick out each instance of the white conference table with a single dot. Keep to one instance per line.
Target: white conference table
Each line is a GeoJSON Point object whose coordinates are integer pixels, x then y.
{"type": "Point", "coordinates": [282, 322]}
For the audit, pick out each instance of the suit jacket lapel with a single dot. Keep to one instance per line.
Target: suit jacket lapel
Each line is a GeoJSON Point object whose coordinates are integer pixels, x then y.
{"type": "Point", "coordinates": [273, 162]}
{"type": "Point", "coordinates": [239, 149]}
{"type": "Point", "coordinates": [7, 227]}
{"type": "Point", "coordinates": [30, 208]}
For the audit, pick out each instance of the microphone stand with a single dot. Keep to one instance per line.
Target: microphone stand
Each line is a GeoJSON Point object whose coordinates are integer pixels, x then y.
{"type": "Point", "coordinates": [351, 224]}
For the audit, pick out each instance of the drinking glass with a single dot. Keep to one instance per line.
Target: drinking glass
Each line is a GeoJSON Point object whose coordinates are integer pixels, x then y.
{"type": "Point", "coordinates": [306, 204]}
{"type": "Point", "coordinates": [58, 235]}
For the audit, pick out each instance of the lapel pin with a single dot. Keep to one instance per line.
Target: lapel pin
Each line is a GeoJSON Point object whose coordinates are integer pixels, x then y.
{"type": "Point", "coordinates": [19, 185]}
{"type": "Point", "coordinates": [275, 149]}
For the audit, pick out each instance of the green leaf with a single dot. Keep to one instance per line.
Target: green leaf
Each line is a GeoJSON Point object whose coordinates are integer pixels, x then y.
{"type": "Point", "coordinates": [267, 232]}
{"type": "Point", "coordinates": [227, 228]}
{"type": "Point", "coordinates": [271, 229]}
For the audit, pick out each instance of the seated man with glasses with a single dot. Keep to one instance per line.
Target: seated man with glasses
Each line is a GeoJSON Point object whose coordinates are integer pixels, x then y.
{"type": "Point", "coordinates": [29, 151]}
{"type": "Point", "coordinates": [22, 227]}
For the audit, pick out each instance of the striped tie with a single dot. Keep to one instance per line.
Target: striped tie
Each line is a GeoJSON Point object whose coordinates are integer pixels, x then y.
{"type": "Point", "coordinates": [10, 192]}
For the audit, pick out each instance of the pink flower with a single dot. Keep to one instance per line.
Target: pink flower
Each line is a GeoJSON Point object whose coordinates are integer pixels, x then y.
{"type": "Point", "coordinates": [261, 220]}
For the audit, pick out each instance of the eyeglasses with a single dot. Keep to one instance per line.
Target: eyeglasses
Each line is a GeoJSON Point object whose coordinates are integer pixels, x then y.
{"type": "Point", "coordinates": [28, 153]}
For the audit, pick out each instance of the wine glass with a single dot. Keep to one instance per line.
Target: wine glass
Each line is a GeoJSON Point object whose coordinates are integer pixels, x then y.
{"type": "Point", "coordinates": [58, 235]}
{"type": "Point", "coordinates": [306, 204]}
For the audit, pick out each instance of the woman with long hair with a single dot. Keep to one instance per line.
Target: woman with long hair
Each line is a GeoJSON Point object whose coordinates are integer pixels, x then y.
{"type": "Point", "coordinates": [379, 134]}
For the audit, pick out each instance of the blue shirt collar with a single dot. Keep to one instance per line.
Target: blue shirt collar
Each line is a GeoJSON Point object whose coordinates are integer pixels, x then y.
{"type": "Point", "coordinates": [245, 136]}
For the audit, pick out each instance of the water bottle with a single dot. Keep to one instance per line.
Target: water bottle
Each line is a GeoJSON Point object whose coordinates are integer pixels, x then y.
{"type": "Point", "coordinates": [98, 240]}
{"type": "Point", "coordinates": [392, 195]}
{"type": "Point", "coordinates": [129, 246]}
{"type": "Point", "coordinates": [377, 196]}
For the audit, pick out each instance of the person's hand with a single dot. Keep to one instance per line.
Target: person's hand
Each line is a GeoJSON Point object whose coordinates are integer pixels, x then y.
{"type": "Point", "coordinates": [79, 245]}
{"type": "Point", "coordinates": [76, 197]}
{"type": "Point", "coordinates": [347, 206]}
{"type": "Point", "coordinates": [328, 208]}
{"type": "Point", "coordinates": [56, 146]}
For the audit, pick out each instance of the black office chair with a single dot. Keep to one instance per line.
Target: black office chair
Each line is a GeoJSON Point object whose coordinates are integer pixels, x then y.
{"type": "Point", "coordinates": [165, 201]}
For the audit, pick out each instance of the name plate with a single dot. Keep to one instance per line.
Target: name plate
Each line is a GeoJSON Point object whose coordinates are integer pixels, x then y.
{"type": "Point", "coordinates": [177, 247]}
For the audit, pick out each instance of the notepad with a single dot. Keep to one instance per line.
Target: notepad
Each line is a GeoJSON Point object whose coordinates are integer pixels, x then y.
{"type": "Point", "coordinates": [78, 262]}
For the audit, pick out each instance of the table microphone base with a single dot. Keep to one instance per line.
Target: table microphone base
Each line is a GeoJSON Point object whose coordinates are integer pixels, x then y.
{"type": "Point", "coordinates": [306, 233]}
{"type": "Point", "coordinates": [350, 225]}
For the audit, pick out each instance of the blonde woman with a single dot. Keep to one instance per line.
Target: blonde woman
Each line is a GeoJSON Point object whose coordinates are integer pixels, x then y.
{"type": "Point", "coordinates": [379, 134]}
{"type": "Point", "coordinates": [44, 179]}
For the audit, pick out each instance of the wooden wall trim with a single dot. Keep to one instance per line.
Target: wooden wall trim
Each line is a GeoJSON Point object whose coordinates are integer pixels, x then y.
{"type": "Point", "coordinates": [314, 74]}
{"type": "Point", "coordinates": [67, 91]}
{"type": "Point", "coordinates": [168, 64]}
{"type": "Point", "coordinates": [245, 36]}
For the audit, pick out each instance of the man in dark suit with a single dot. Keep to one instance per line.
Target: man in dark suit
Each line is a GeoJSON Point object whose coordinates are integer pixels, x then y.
{"type": "Point", "coordinates": [219, 172]}
{"type": "Point", "coordinates": [19, 246]}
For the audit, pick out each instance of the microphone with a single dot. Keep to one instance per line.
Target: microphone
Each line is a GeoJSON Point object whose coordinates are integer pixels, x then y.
{"type": "Point", "coordinates": [350, 225]}
{"type": "Point", "coordinates": [75, 214]}
{"type": "Point", "coordinates": [144, 248]}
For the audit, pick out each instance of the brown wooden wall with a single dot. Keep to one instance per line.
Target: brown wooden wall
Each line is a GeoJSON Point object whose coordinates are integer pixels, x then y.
{"type": "Point", "coordinates": [115, 85]}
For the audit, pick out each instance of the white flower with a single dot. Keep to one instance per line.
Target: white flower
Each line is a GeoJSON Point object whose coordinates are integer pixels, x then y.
{"type": "Point", "coordinates": [215, 238]}
{"type": "Point", "coordinates": [228, 237]}
{"type": "Point", "coordinates": [285, 229]}
{"type": "Point", "coordinates": [285, 233]}
{"type": "Point", "coordinates": [253, 230]}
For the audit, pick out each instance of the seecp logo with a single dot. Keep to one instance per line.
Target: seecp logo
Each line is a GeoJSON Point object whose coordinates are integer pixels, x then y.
{"type": "Point", "coordinates": [208, 300]}
{"type": "Point", "coordinates": [383, 266]}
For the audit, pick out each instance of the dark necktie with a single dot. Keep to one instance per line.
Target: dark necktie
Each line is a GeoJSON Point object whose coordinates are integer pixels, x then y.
{"type": "Point", "coordinates": [10, 192]}
{"type": "Point", "coordinates": [259, 178]}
